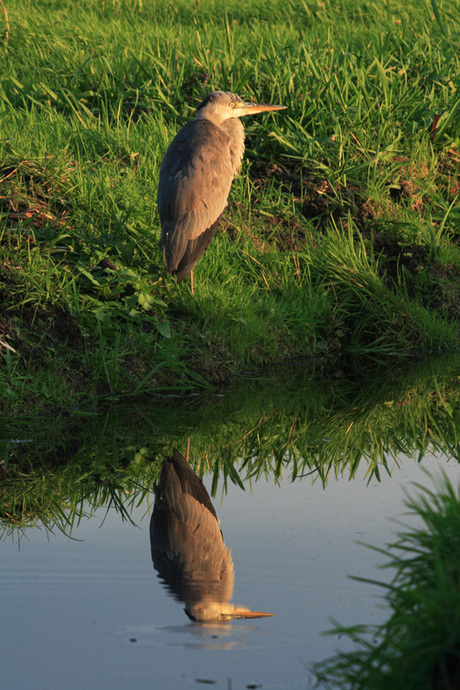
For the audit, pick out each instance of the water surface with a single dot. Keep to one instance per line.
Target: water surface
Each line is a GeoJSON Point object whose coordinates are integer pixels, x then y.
{"type": "Point", "coordinates": [90, 611]}
{"type": "Point", "coordinates": [300, 473]}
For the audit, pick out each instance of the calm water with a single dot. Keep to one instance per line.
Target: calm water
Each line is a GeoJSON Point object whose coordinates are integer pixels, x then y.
{"type": "Point", "coordinates": [89, 612]}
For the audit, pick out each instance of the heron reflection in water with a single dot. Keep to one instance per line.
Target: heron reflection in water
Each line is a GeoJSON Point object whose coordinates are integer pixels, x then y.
{"type": "Point", "coordinates": [188, 549]}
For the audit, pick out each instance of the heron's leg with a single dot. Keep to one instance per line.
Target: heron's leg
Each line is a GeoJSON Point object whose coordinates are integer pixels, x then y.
{"type": "Point", "coordinates": [187, 450]}
{"type": "Point", "coordinates": [191, 281]}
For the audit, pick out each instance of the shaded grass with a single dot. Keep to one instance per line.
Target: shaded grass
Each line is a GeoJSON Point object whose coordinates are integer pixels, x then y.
{"type": "Point", "coordinates": [341, 234]}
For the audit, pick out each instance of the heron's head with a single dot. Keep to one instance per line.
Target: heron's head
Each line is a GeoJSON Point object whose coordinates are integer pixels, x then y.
{"type": "Point", "coordinates": [219, 106]}
{"type": "Point", "coordinates": [219, 612]}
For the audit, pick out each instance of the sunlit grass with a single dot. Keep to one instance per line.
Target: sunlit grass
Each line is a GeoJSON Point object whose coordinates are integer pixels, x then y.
{"type": "Point", "coordinates": [341, 234]}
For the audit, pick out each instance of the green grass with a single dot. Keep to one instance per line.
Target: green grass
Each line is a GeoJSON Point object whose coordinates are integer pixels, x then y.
{"type": "Point", "coordinates": [341, 234]}
{"type": "Point", "coordinates": [418, 647]}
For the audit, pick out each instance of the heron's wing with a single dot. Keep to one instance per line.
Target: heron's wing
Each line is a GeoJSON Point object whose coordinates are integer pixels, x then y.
{"type": "Point", "coordinates": [195, 179]}
{"type": "Point", "coordinates": [191, 252]}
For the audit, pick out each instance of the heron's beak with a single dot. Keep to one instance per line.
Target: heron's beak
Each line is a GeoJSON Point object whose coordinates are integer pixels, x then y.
{"type": "Point", "coordinates": [254, 108]}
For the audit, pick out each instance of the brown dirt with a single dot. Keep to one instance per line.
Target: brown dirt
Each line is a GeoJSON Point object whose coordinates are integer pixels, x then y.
{"type": "Point", "coordinates": [27, 195]}
{"type": "Point", "coordinates": [286, 234]}
{"type": "Point", "coordinates": [318, 201]}
{"type": "Point", "coordinates": [52, 326]}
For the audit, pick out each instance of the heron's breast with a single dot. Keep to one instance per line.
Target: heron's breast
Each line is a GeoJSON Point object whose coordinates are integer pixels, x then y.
{"type": "Point", "coordinates": [234, 129]}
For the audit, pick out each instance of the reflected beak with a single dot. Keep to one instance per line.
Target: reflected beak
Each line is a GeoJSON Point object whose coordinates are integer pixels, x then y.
{"type": "Point", "coordinates": [246, 613]}
{"type": "Point", "coordinates": [254, 108]}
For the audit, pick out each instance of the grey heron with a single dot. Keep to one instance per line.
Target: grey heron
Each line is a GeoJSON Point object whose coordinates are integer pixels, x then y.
{"type": "Point", "coordinates": [187, 546]}
{"type": "Point", "coordinates": [196, 175]}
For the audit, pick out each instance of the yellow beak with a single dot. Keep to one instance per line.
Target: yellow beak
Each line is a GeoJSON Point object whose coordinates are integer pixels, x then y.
{"type": "Point", "coordinates": [254, 108]}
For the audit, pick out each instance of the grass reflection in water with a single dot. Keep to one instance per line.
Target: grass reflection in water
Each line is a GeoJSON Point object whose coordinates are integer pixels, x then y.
{"type": "Point", "coordinates": [286, 424]}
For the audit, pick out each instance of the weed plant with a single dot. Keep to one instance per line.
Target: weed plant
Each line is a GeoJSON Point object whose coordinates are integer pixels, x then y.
{"type": "Point", "coordinates": [418, 647]}
{"type": "Point", "coordinates": [341, 234]}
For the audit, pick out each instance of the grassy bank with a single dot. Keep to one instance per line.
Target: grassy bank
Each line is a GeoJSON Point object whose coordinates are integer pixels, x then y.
{"type": "Point", "coordinates": [342, 231]}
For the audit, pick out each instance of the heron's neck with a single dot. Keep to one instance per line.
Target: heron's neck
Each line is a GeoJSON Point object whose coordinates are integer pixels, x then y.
{"type": "Point", "coordinates": [234, 129]}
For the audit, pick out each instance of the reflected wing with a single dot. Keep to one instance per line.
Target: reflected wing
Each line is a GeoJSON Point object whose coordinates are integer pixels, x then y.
{"type": "Point", "coordinates": [177, 478]}
{"type": "Point", "coordinates": [195, 179]}
{"type": "Point", "coordinates": [189, 553]}
{"type": "Point", "coordinates": [188, 549]}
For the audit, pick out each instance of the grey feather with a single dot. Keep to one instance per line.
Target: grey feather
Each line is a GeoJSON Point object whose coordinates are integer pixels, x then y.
{"type": "Point", "coordinates": [195, 179]}
{"type": "Point", "coordinates": [196, 175]}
